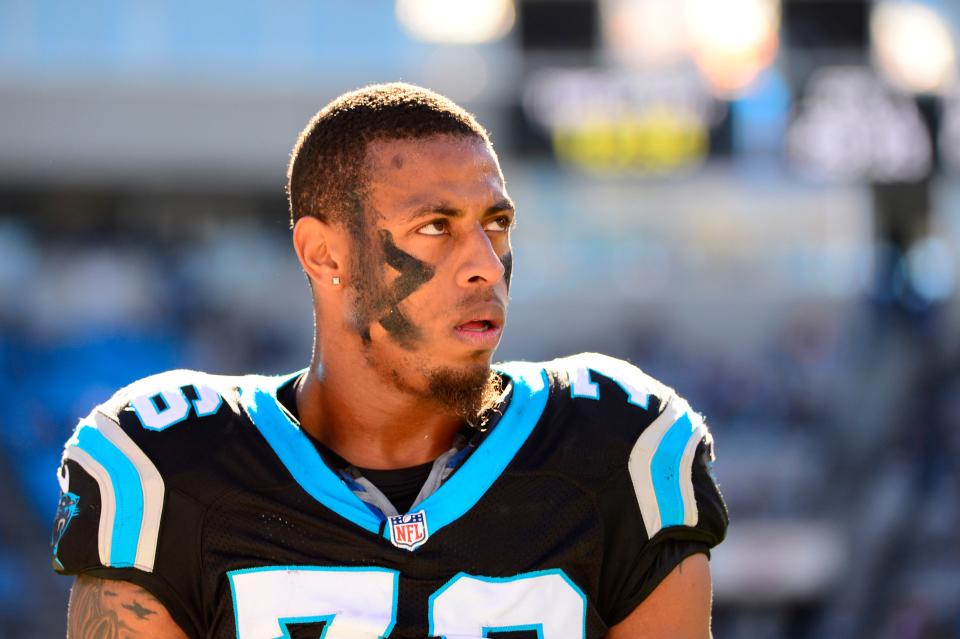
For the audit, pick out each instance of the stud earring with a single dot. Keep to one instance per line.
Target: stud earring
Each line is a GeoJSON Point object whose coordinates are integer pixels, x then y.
{"type": "Point", "coordinates": [336, 280]}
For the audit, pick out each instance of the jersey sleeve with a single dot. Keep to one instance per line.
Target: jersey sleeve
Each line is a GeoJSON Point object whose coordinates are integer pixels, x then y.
{"type": "Point", "coordinates": [665, 507]}
{"type": "Point", "coordinates": [118, 519]}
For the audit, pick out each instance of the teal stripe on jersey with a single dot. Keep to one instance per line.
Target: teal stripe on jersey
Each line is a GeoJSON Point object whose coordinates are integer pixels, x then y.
{"type": "Point", "coordinates": [465, 487]}
{"type": "Point", "coordinates": [451, 500]}
{"type": "Point", "coordinates": [127, 491]}
{"type": "Point", "coordinates": [300, 456]}
{"type": "Point", "coordinates": [665, 471]}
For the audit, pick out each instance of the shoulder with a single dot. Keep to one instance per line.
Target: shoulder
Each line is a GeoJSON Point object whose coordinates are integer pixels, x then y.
{"type": "Point", "coordinates": [141, 421]}
{"type": "Point", "coordinates": [163, 430]}
{"type": "Point", "coordinates": [601, 397]}
{"type": "Point", "coordinates": [624, 435]}
{"type": "Point", "coordinates": [161, 401]}
{"type": "Point", "coordinates": [607, 379]}
{"type": "Point", "coordinates": [163, 448]}
{"type": "Point", "coordinates": [643, 455]}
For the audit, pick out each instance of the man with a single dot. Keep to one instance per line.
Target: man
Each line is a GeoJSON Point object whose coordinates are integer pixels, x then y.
{"type": "Point", "coordinates": [398, 486]}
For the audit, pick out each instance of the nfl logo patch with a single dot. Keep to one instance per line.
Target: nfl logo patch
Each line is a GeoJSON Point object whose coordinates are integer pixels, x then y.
{"type": "Point", "coordinates": [409, 531]}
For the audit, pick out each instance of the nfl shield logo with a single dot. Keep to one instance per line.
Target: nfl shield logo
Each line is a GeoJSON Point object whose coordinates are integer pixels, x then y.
{"type": "Point", "coordinates": [409, 531]}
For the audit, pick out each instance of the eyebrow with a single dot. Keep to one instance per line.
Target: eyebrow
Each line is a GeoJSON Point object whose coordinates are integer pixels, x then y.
{"type": "Point", "coordinates": [445, 208]}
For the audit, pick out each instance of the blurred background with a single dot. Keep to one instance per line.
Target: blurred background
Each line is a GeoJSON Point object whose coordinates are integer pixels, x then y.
{"type": "Point", "coordinates": [757, 201]}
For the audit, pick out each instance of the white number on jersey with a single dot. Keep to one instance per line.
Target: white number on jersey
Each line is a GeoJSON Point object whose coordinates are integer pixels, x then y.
{"type": "Point", "coordinates": [354, 603]}
{"type": "Point", "coordinates": [634, 382]}
{"type": "Point", "coordinates": [546, 602]}
{"type": "Point", "coordinates": [361, 603]}
{"type": "Point", "coordinates": [163, 409]}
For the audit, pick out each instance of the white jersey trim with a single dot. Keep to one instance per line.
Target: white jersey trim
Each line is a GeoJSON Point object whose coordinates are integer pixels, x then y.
{"type": "Point", "coordinates": [664, 490]}
{"type": "Point", "coordinates": [151, 483]}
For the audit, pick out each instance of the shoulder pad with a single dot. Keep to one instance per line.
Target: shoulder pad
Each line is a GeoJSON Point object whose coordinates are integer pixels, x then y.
{"type": "Point", "coordinates": [166, 399]}
{"type": "Point", "coordinates": [668, 443]}
{"type": "Point", "coordinates": [120, 446]}
{"type": "Point", "coordinates": [584, 374]}
{"type": "Point", "coordinates": [131, 490]}
{"type": "Point", "coordinates": [661, 466]}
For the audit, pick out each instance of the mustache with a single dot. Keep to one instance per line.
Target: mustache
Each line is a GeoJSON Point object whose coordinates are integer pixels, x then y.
{"type": "Point", "coordinates": [482, 296]}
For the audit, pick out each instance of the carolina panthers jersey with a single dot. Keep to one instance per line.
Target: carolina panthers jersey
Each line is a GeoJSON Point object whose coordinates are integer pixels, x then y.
{"type": "Point", "coordinates": [593, 485]}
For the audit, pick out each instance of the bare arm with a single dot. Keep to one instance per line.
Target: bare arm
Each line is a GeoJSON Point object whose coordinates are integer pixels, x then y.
{"type": "Point", "coordinates": [678, 608]}
{"type": "Point", "coordinates": [107, 609]}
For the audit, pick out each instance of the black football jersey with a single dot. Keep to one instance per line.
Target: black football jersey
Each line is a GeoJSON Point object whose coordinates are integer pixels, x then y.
{"type": "Point", "coordinates": [594, 483]}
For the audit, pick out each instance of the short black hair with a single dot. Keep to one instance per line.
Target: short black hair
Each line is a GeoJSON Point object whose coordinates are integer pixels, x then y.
{"type": "Point", "coordinates": [326, 177]}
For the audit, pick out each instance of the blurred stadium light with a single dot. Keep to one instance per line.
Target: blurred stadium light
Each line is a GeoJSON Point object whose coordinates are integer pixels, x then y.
{"type": "Point", "coordinates": [645, 33]}
{"type": "Point", "coordinates": [733, 41]}
{"type": "Point", "coordinates": [456, 21]}
{"type": "Point", "coordinates": [730, 42]}
{"type": "Point", "coordinates": [912, 46]}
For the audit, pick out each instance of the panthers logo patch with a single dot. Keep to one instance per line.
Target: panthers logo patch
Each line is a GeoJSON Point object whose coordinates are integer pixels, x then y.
{"type": "Point", "coordinates": [67, 509]}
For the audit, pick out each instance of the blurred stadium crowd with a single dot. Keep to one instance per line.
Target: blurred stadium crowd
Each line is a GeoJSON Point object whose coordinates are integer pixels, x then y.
{"type": "Point", "coordinates": [757, 202]}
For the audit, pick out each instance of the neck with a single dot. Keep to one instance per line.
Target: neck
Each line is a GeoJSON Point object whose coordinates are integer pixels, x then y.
{"type": "Point", "coordinates": [370, 422]}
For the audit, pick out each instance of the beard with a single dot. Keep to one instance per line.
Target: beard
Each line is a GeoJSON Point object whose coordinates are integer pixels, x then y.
{"type": "Point", "coordinates": [467, 393]}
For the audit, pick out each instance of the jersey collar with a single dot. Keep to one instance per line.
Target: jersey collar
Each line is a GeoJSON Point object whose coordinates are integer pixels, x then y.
{"type": "Point", "coordinates": [258, 396]}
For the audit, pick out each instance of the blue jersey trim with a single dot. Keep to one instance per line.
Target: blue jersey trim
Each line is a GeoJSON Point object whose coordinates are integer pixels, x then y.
{"type": "Point", "coordinates": [300, 456]}
{"type": "Point", "coordinates": [536, 627]}
{"type": "Point", "coordinates": [127, 493]}
{"type": "Point", "coordinates": [471, 481]}
{"type": "Point", "coordinates": [665, 471]}
{"type": "Point", "coordinates": [452, 500]}
{"type": "Point", "coordinates": [286, 621]}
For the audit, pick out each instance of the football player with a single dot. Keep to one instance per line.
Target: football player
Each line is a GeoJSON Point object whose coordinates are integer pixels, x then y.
{"type": "Point", "coordinates": [399, 486]}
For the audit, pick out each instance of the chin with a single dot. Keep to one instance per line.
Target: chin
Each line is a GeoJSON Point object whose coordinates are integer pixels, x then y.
{"type": "Point", "coordinates": [476, 365]}
{"type": "Point", "coordinates": [467, 389]}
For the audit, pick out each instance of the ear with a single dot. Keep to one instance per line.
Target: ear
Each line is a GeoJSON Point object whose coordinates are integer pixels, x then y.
{"type": "Point", "coordinates": [320, 248]}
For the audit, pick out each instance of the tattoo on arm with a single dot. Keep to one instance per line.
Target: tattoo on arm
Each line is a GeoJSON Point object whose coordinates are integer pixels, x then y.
{"type": "Point", "coordinates": [90, 616]}
{"type": "Point", "coordinates": [105, 609]}
{"type": "Point", "coordinates": [140, 611]}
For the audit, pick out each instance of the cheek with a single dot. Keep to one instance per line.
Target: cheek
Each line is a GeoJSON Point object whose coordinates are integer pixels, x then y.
{"type": "Point", "coordinates": [432, 309]}
{"type": "Point", "coordinates": [370, 294]}
{"type": "Point", "coordinates": [507, 261]}
{"type": "Point", "coordinates": [427, 306]}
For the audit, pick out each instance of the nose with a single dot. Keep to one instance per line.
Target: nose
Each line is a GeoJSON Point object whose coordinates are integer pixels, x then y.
{"type": "Point", "coordinates": [480, 264]}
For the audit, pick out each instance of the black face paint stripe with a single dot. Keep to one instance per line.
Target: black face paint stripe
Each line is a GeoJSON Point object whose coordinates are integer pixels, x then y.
{"type": "Point", "coordinates": [402, 330]}
{"type": "Point", "coordinates": [507, 261]}
{"type": "Point", "coordinates": [414, 273]}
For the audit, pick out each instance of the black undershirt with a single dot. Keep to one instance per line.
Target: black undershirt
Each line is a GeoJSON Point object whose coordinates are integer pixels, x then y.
{"type": "Point", "coordinates": [400, 485]}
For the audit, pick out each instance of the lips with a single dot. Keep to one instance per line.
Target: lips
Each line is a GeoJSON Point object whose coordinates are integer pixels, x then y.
{"type": "Point", "coordinates": [482, 326]}
{"type": "Point", "coordinates": [484, 316]}
{"type": "Point", "coordinates": [476, 326]}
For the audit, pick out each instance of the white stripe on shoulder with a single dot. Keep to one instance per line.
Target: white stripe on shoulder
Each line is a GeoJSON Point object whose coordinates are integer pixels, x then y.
{"type": "Point", "coordinates": [151, 483]}
{"type": "Point", "coordinates": [699, 431]}
{"type": "Point", "coordinates": [108, 501]}
{"type": "Point", "coordinates": [641, 460]}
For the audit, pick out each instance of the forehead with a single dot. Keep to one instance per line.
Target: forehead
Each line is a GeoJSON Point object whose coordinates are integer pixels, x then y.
{"type": "Point", "coordinates": [405, 174]}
